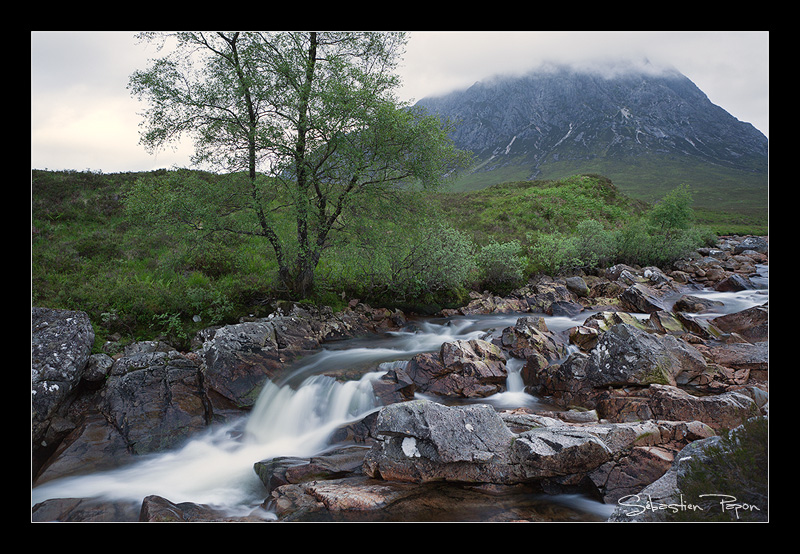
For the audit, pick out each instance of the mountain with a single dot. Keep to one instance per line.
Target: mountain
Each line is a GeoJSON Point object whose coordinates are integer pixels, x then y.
{"type": "Point", "coordinates": [647, 130]}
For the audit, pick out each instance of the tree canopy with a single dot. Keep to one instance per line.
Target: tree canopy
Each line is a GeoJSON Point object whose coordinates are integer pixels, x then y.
{"type": "Point", "coordinates": [307, 124]}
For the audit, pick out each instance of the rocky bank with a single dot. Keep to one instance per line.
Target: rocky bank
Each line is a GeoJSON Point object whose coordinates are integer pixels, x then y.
{"type": "Point", "coordinates": [651, 372]}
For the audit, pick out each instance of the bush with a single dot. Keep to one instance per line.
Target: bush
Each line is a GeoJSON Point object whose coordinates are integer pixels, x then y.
{"type": "Point", "coordinates": [553, 254]}
{"type": "Point", "coordinates": [737, 467]}
{"type": "Point", "coordinates": [594, 246]}
{"type": "Point", "coordinates": [501, 266]}
{"type": "Point", "coordinates": [400, 264]}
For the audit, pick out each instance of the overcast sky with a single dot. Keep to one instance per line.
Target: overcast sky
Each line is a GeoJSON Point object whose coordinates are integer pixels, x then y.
{"type": "Point", "coordinates": [83, 117]}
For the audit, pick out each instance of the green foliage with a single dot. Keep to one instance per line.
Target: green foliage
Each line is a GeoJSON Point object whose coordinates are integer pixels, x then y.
{"type": "Point", "coordinates": [511, 211]}
{"type": "Point", "coordinates": [143, 269]}
{"type": "Point", "coordinates": [501, 266]}
{"type": "Point", "coordinates": [732, 473]}
{"type": "Point", "coordinates": [318, 107]}
{"type": "Point", "coordinates": [553, 254]}
{"type": "Point", "coordinates": [399, 263]}
{"type": "Point", "coordinates": [673, 212]}
{"type": "Point", "coordinates": [657, 237]}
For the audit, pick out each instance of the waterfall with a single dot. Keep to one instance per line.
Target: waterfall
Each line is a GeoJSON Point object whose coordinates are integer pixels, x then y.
{"type": "Point", "coordinates": [216, 468]}
{"type": "Point", "coordinates": [302, 419]}
{"type": "Point", "coordinates": [295, 417]}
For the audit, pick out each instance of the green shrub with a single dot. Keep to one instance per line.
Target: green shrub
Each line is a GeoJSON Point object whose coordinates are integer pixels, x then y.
{"type": "Point", "coordinates": [400, 264]}
{"type": "Point", "coordinates": [501, 265]}
{"type": "Point", "coordinates": [594, 245]}
{"type": "Point", "coordinates": [737, 467]}
{"type": "Point", "coordinates": [553, 254]}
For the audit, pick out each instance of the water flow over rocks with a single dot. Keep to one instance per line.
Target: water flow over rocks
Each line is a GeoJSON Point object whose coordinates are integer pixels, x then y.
{"type": "Point", "coordinates": [505, 409]}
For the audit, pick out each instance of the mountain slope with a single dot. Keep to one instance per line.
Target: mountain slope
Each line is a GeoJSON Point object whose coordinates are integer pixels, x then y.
{"type": "Point", "coordinates": [648, 131]}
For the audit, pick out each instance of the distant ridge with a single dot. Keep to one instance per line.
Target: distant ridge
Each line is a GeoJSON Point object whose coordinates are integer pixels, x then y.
{"type": "Point", "coordinates": [647, 129]}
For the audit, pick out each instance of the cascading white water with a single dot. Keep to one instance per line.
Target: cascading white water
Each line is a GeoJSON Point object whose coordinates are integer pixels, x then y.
{"type": "Point", "coordinates": [306, 416]}
{"type": "Point", "coordinates": [216, 468]}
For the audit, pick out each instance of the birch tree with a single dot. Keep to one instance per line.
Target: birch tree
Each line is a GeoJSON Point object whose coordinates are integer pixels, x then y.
{"type": "Point", "coordinates": [307, 122]}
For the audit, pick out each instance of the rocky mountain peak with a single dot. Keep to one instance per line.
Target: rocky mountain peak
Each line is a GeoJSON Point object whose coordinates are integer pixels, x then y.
{"type": "Point", "coordinates": [601, 113]}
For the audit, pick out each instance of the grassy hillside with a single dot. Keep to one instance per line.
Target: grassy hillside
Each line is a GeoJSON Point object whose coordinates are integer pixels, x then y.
{"type": "Point", "coordinates": [511, 211]}
{"type": "Point", "coordinates": [647, 179]}
{"type": "Point", "coordinates": [140, 283]}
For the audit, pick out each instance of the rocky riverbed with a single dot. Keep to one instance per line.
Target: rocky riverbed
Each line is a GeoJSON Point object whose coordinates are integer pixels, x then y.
{"type": "Point", "coordinates": [652, 369]}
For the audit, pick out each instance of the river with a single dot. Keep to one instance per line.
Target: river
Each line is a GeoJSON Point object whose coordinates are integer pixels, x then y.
{"type": "Point", "coordinates": [295, 417]}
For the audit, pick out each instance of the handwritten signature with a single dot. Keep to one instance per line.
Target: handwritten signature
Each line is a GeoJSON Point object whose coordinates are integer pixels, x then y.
{"type": "Point", "coordinates": [726, 503]}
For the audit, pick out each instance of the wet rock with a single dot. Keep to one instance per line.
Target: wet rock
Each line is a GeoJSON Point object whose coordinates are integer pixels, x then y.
{"type": "Point", "coordinates": [664, 402]}
{"type": "Point", "coordinates": [95, 445]}
{"type": "Point", "coordinates": [584, 337]}
{"type": "Point", "coordinates": [530, 336]}
{"type": "Point", "coordinates": [422, 441]}
{"type": "Point", "coordinates": [733, 283]}
{"type": "Point", "coordinates": [752, 323]}
{"type": "Point", "coordinates": [61, 343]}
{"type": "Point", "coordinates": [156, 400]}
{"type": "Point", "coordinates": [345, 461]}
{"type": "Point", "coordinates": [624, 356]}
{"type": "Point", "coordinates": [667, 323]}
{"type": "Point", "coordinates": [156, 509]}
{"type": "Point", "coordinates": [737, 356]}
{"type": "Point", "coordinates": [75, 510]}
{"type": "Point", "coordinates": [695, 304]}
{"type": "Point", "coordinates": [642, 299]}
{"type": "Point", "coordinates": [240, 358]}
{"type": "Point", "coordinates": [468, 369]}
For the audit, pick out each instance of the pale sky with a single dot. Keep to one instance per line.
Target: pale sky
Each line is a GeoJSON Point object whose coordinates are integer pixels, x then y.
{"type": "Point", "coordinates": [83, 117]}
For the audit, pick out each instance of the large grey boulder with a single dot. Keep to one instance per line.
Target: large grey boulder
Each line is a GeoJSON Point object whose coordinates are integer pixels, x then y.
{"type": "Point", "coordinates": [61, 343]}
{"type": "Point", "coordinates": [624, 355]}
{"type": "Point", "coordinates": [422, 441]}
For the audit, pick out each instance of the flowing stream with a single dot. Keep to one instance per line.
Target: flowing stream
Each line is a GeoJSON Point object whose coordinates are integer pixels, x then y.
{"type": "Point", "coordinates": [295, 417]}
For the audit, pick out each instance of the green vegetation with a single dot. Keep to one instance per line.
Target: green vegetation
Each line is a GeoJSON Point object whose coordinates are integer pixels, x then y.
{"type": "Point", "coordinates": [305, 125]}
{"type": "Point", "coordinates": [578, 223]}
{"type": "Point", "coordinates": [729, 199]}
{"type": "Point", "coordinates": [139, 277]}
{"type": "Point", "coordinates": [729, 482]}
{"type": "Point", "coordinates": [325, 188]}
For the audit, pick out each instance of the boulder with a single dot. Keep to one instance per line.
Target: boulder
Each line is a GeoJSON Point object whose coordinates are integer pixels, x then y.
{"type": "Point", "coordinates": [584, 337]}
{"type": "Point", "coordinates": [341, 462]}
{"type": "Point", "coordinates": [156, 509]}
{"type": "Point", "coordinates": [155, 400]}
{"type": "Point", "coordinates": [530, 336]}
{"type": "Point", "coordinates": [468, 369]}
{"type": "Point", "coordinates": [737, 356]}
{"type": "Point", "coordinates": [665, 402]}
{"type": "Point", "coordinates": [425, 442]}
{"type": "Point", "coordinates": [422, 441]}
{"type": "Point", "coordinates": [624, 356]}
{"type": "Point", "coordinates": [604, 320]}
{"type": "Point", "coordinates": [667, 323]}
{"type": "Point", "coordinates": [642, 299]}
{"type": "Point", "coordinates": [61, 344]}
{"type": "Point", "coordinates": [75, 510]}
{"type": "Point", "coordinates": [240, 358]}
{"type": "Point", "coordinates": [751, 324]}
{"type": "Point", "coordinates": [94, 445]}
{"type": "Point", "coordinates": [695, 304]}
{"type": "Point", "coordinates": [577, 285]}
{"type": "Point", "coordinates": [733, 283]}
